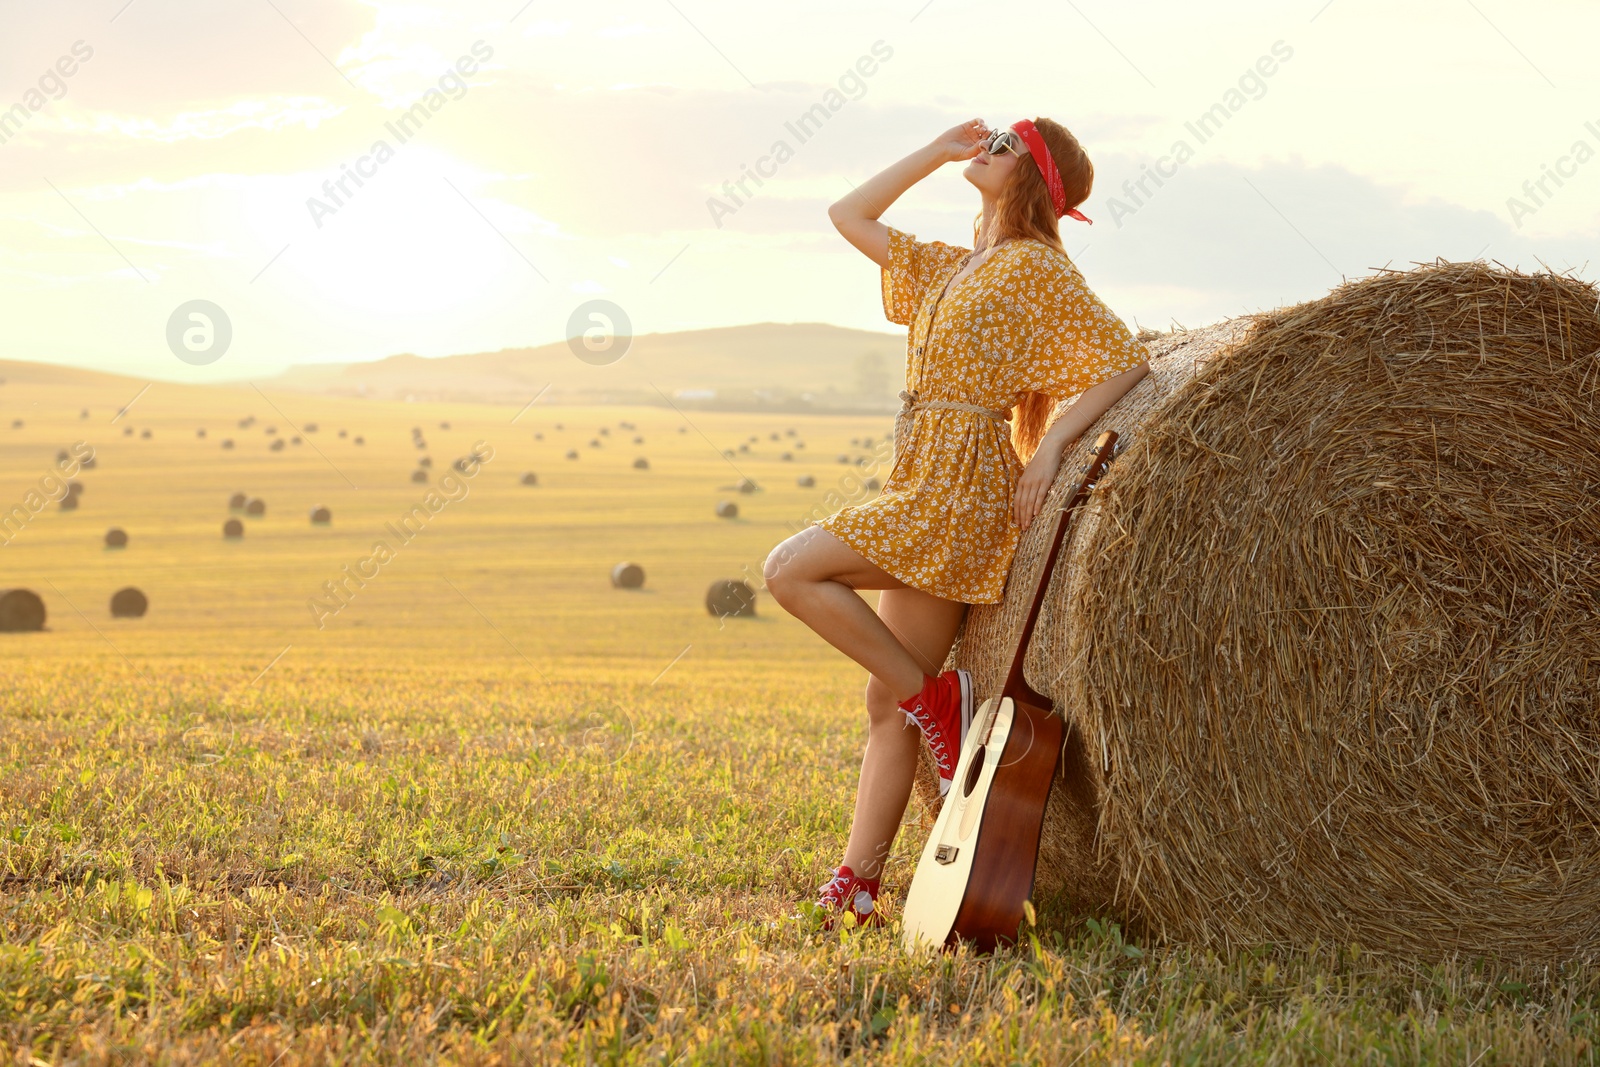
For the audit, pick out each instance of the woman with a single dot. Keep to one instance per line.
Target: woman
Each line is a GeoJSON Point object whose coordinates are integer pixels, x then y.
{"type": "Point", "coordinates": [997, 335]}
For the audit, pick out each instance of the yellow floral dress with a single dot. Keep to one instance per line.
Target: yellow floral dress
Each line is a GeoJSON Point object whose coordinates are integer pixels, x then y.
{"type": "Point", "coordinates": [1022, 320]}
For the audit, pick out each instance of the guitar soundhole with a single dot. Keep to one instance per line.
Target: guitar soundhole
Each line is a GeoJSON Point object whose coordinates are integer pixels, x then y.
{"type": "Point", "coordinates": [973, 772]}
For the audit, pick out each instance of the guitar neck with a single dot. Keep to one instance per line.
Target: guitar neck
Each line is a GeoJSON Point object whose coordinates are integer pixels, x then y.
{"type": "Point", "coordinates": [1016, 685]}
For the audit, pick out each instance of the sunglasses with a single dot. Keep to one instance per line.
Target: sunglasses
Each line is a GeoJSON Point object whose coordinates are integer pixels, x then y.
{"type": "Point", "coordinates": [1002, 141]}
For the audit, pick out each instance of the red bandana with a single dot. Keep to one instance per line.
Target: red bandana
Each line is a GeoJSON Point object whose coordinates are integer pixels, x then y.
{"type": "Point", "coordinates": [1047, 166]}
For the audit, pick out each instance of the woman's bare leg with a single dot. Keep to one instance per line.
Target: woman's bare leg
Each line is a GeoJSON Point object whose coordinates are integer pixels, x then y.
{"type": "Point", "coordinates": [888, 767]}
{"type": "Point", "coordinates": [814, 576]}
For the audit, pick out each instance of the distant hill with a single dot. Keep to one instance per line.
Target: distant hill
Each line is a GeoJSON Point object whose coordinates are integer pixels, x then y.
{"type": "Point", "coordinates": [764, 366]}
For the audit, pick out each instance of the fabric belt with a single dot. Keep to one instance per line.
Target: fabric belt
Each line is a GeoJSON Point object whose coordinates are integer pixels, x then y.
{"type": "Point", "coordinates": [909, 402]}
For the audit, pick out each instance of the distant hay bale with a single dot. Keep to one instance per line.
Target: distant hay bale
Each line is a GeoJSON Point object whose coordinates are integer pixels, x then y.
{"type": "Point", "coordinates": [594, 442]}
{"type": "Point", "coordinates": [321, 516]}
{"type": "Point", "coordinates": [790, 432]}
{"type": "Point", "coordinates": [747, 486]}
{"type": "Point", "coordinates": [276, 446]}
{"type": "Point", "coordinates": [69, 502]}
{"type": "Point", "coordinates": [731, 598]}
{"type": "Point", "coordinates": [63, 456]}
{"type": "Point", "coordinates": [425, 461]}
{"type": "Point", "coordinates": [419, 442]}
{"type": "Point", "coordinates": [1325, 635]}
{"type": "Point", "coordinates": [233, 529]}
{"type": "Point", "coordinates": [344, 433]}
{"type": "Point", "coordinates": [843, 458]}
{"type": "Point", "coordinates": [309, 427]}
{"type": "Point", "coordinates": [201, 432]}
{"type": "Point", "coordinates": [627, 576]}
{"type": "Point", "coordinates": [605, 432]}
{"type": "Point", "coordinates": [638, 439]}
{"type": "Point", "coordinates": [74, 487]}
{"type": "Point", "coordinates": [21, 611]}
{"type": "Point", "coordinates": [237, 501]}
{"type": "Point", "coordinates": [572, 453]}
{"type": "Point", "coordinates": [116, 537]}
{"type": "Point", "coordinates": [127, 431]}
{"type": "Point", "coordinates": [270, 430]}
{"type": "Point", "coordinates": [145, 433]}
{"type": "Point", "coordinates": [727, 509]}
{"type": "Point", "coordinates": [529, 478]}
{"type": "Point", "coordinates": [419, 476]}
{"type": "Point", "coordinates": [683, 429]}
{"type": "Point", "coordinates": [538, 437]}
{"type": "Point", "coordinates": [84, 414]}
{"type": "Point", "coordinates": [444, 426]}
{"type": "Point", "coordinates": [787, 457]}
{"type": "Point", "coordinates": [89, 463]}
{"type": "Point", "coordinates": [255, 508]}
{"type": "Point", "coordinates": [641, 464]}
{"type": "Point", "coordinates": [295, 439]}
{"type": "Point", "coordinates": [129, 603]}
{"type": "Point", "coordinates": [16, 424]}
{"type": "Point", "coordinates": [227, 442]}
{"type": "Point", "coordinates": [358, 439]}
{"type": "Point", "coordinates": [872, 484]}
{"type": "Point", "coordinates": [805, 481]}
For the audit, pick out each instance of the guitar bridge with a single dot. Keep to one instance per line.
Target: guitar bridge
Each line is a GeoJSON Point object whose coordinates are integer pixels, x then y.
{"type": "Point", "coordinates": [945, 853]}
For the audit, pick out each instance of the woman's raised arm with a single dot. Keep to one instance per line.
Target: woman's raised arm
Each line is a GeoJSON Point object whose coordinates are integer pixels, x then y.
{"type": "Point", "coordinates": [855, 216]}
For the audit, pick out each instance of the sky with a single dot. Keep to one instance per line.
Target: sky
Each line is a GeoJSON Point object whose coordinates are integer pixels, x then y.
{"type": "Point", "coordinates": [154, 153]}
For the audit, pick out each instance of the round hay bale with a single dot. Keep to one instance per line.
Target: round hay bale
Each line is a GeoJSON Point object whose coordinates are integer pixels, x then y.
{"type": "Point", "coordinates": [233, 529]}
{"type": "Point", "coordinates": [1325, 637]}
{"type": "Point", "coordinates": [321, 516]}
{"type": "Point", "coordinates": [295, 439]}
{"type": "Point", "coordinates": [444, 426]}
{"type": "Point", "coordinates": [309, 427]}
{"type": "Point", "coordinates": [127, 431]}
{"type": "Point", "coordinates": [683, 429]}
{"type": "Point", "coordinates": [116, 537]}
{"type": "Point", "coordinates": [344, 433]}
{"type": "Point", "coordinates": [16, 424]}
{"type": "Point", "coordinates": [799, 445]}
{"type": "Point", "coordinates": [805, 481]}
{"type": "Point", "coordinates": [529, 478]}
{"type": "Point", "coordinates": [256, 507]}
{"type": "Point", "coordinates": [89, 463]}
{"type": "Point", "coordinates": [419, 442]}
{"type": "Point", "coordinates": [731, 598]}
{"type": "Point", "coordinates": [872, 484]}
{"type": "Point", "coordinates": [237, 501]}
{"type": "Point", "coordinates": [419, 476]}
{"type": "Point", "coordinates": [559, 426]}
{"type": "Point", "coordinates": [605, 432]}
{"type": "Point", "coordinates": [21, 611]}
{"type": "Point", "coordinates": [270, 430]}
{"type": "Point", "coordinates": [358, 439]}
{"type": "Point", "coordinates": [727, 509]}
{"type": "Point", "coordinates": [627, 576]}
{"type": "Point", "coordinates": [843, 458]}
{"type": "Point", "coordinates": [747, 486]}
{"type": "Point", "coordinates": [227, 442]}
{"type": "Point", "coordinates": [63, 456]}
{"type": "Point", "coordinates": [787, 457]}
{"type": "Point", "coordinates": [84, 414]}
{"type": "Point", "coordinates": [538, 437]}
{"type": "Point", "coordinates": [641, 464]}
{"type": "Point", "coordinates": [425, 461]}
{"type": "Point", "coordinates": [201, 432]}
{"type": "Point", "coordinates": [638, 439]}
{"type": "Point", "coordinates": [276, 446]}
{"type": "Point", "coordinates": [572, 453]}
{"type": "Point", "coordinates": [129, 603]}
{"type": "Point", "coordinates": [594, 442]}
{"type": "Point", "coordinates": [69, 502]}
{"type": "Point", "coordinates": [74, 488]}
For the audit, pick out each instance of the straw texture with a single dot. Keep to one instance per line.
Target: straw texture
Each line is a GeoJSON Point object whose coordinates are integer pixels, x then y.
{"type": "Point", "coordinates": [1327, 633]}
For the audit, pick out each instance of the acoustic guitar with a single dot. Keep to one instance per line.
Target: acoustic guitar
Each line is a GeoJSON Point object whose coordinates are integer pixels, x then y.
{"type": "Point", "coordinates": [976, 871]}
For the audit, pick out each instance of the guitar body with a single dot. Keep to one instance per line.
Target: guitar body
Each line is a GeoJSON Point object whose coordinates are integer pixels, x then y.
{"type": "Point", "coordinates": [976, 871]}
{"type": "Point", "coordinates": [977, 868]}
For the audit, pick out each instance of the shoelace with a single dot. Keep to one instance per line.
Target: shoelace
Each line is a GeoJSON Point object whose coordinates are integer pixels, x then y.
{"type": "Point", "coordinates": [935, 736]}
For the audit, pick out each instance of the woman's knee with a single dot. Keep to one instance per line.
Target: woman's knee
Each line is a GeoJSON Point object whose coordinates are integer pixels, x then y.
{"type": "Point", "coordinates": [781, 571]}
{"type": "Point", "coordinates": [881, 702]}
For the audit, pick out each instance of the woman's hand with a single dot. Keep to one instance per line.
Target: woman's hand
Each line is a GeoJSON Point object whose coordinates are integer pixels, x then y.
{"type": "Point", "coordinates": [963, 141]}
{"type": "Point", "coordinates": [1034, 484]}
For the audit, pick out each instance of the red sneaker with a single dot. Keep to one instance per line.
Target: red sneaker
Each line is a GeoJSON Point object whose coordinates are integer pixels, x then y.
{"type": "Point", "coordinates": [944, 712]}
{"type": "Point", "coordinates": [848, 893]}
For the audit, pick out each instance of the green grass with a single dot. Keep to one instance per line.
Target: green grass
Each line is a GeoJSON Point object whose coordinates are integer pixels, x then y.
{"type": "Point", "coordinates": [498, 812]}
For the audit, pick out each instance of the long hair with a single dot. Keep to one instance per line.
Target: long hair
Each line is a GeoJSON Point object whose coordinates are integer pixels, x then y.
{"type": "Point", "coordinates": [1023, 209]}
